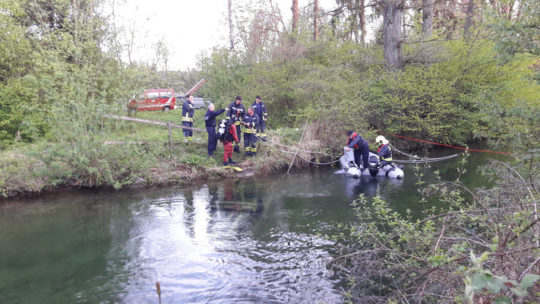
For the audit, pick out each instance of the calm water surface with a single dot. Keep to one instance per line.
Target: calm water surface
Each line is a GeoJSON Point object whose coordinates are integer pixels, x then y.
{"type": "Point", "coordinates": [238, 241]}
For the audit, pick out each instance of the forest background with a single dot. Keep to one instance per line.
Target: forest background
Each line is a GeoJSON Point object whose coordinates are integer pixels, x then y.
{"type": "Point", "coordinates": [455, 72]}
{"type": "Point", "coordinates": [459, 72]}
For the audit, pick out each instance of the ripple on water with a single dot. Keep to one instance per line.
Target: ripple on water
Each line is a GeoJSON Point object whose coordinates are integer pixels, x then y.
{"type": "Point", "coordinates": [223, 263]}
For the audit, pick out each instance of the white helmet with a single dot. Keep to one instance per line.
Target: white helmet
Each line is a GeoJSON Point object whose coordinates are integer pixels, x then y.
{"type": "Point", "coordinates": [380, 139]}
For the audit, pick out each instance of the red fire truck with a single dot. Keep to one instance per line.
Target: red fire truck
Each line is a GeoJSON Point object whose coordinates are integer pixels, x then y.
{"type": "Point", "coordinates": [159, 99]}
{"type": "Point", "coordinates": [154, 100]}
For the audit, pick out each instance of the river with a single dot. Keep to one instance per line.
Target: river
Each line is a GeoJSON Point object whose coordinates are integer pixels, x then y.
{"type": "Point", "coordinates": [257, 240]}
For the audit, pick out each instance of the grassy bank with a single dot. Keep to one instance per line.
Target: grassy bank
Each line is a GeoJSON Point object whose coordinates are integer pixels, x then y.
{"type": "Point", "coordinates": [106, 153]}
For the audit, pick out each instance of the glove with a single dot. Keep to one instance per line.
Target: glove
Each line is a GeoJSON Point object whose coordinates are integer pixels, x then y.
{"type": "Point", "coordinates": [226, 109]}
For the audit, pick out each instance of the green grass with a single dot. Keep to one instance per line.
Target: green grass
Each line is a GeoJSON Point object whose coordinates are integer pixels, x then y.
{"type": "Point", "coordinates": [136, 131]}
{"type": "Point", "coordinates": [79, 157]}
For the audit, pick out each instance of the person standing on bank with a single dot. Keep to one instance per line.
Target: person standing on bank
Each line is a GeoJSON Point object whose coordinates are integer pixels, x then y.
{"type": "Point", "coordinates": [260, 109]}
{"type": "Point", "coordinates": [210, 122]}
{"type": "Point", "coordinates": [228, 137]}
{"type": "Point", "coordinates": [250, 123]}
{"type": "Point", "coordinates": [360, 146]}
{"type": "Point", "coordinates": [188, 111]}
{"type": "Point", "coordinates": [236, 113]}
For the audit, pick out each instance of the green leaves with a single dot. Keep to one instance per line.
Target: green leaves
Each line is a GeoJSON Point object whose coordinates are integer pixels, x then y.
{"type": "Point", "coordinates": [528, 280]}
{"type": "Point", "coordinates": [480, 280]}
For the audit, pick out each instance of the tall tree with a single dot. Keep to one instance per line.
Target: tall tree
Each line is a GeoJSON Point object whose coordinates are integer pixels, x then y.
{"type": "Point", "coordinates": [362, 16]}
{"type": "Point", "coordinates": [392, 36]}
{"type": "Point", "coordinates": [294, 9]}
{"type": "Point", "coordinates": [468, 19]}
{"type": "Point", "coordinates": [231, 36]}
{"type": "Point", "coordinates": [316, 20]}
{"type": "Point", "coordinates": [427, 18]}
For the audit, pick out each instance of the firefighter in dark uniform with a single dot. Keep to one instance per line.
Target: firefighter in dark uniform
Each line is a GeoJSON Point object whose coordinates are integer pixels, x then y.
{"type": "Point", "coordinates": [187, 117]}
{"type": "Point", "coordinates": [384, 151]}
{"type": "Point", "coordinates": [250, 123]}
{"type": "Point", "coordinates": [360, 146]}
{"type": "Point", "coordinates": [236, 112]}
{"type": "Point", "coordinates": [260, 109]}
{"type": "Point", "coordinates": [210, 122]}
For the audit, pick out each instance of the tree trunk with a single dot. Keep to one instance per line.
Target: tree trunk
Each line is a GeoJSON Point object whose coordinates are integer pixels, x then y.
{"type": "Point", "coordinates": [353, 28]}
{"type": "Point", "coordinates": [392, 36]}
{"type": "Point", "coordinates": [231, 37]}
{"type": "Point", "coordinates": [510, 9]}
{"type": "Point", "coordinates": [520, 6]}
{"type": "Point", "coordinates": [427, 18]}
{"type": "Point", "coordinates": [294, 9]}
{"type": "Point", "coordinates": [316, 20]}
{"type": "Point", "coordinates": [452, 19]}
{"type": "Point", "coordinates": [468, 20]}
{"type": "Point", "coordinates": [362, 16]}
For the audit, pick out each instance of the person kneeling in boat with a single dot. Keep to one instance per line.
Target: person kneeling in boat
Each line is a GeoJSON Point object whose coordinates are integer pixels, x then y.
{"type": "Point", "coordinates": [384, 151]}
{"type": "Point", "coordinates": [360, 146]}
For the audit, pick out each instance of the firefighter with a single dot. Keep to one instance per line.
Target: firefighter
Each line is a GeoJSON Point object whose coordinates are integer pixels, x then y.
{"type": "Point", "coordinates": [384, 151]}
{"type": "Point", "coordinates": [260, 110]}
{"type": "Point", "coordinates": [210, 122]}
{"type": "Point", "coordinates": [228, 137]}
{"type": "Point", "coordinates": [236, 112]}
{"type": "Point", "coordinates": [360, 146]}
{"type": "Point", "coordinates": [250, 123]}
{"type": "Point", "coordinates": [187, 118]}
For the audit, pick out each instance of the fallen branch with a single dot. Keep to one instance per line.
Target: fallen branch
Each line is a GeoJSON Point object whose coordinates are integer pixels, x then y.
{"type": "Point", "coordinates": [152, 122]}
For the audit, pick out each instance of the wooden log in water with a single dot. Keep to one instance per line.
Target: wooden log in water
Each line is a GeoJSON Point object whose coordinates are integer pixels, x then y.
{"type": "Point", "coordinates": [237, 206]}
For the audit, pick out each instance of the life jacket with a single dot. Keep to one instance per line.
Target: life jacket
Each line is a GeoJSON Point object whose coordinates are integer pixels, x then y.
{"type": "Point", "coordinates": [387, 156]}
{"type": "Point", "coordinates": [351, 138]}
{"type": "Point", "coordinates": [224, 131]}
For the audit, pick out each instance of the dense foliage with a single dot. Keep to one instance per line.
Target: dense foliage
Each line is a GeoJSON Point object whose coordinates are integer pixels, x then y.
{"type": "Point", "coordinates": [466, 96]}
{"type": "Point", "coordinates": [479, 247]}
{"type": "Point", "coordinates": [469, 75]}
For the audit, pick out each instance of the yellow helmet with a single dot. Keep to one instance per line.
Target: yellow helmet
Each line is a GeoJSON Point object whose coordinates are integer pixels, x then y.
{"type": "Point", "coordinates": [380, 139]}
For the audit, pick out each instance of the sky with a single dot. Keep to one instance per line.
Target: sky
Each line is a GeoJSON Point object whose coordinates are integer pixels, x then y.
{"type": "Point", "coordinates": [189, 27]}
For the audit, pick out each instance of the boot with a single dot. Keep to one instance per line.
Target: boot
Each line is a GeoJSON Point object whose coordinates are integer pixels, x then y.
{"type": "Point", "coordinates": [225, 163]}
{"type": "Point", "coordinates": [247, 153]}
{"type": "Point", "coordinates": [231, 162]}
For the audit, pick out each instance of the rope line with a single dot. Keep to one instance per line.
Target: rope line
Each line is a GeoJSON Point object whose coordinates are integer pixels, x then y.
{"type": "Point", "coordinates": [449, 146]}
{"type": "Point", "coordinates": [406, 154]}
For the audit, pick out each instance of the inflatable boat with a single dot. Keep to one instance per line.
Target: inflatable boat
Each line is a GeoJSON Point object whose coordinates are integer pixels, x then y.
{"type": "Point", "coordinates": [375, 168]}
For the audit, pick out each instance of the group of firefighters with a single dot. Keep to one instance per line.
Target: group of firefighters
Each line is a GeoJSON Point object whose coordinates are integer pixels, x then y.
{"type": "Point", "coordinates": [254, 124]}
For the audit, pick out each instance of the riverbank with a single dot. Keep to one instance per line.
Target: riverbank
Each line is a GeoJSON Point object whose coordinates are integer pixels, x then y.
{"type": "Point", "coordinates": [127, 162]}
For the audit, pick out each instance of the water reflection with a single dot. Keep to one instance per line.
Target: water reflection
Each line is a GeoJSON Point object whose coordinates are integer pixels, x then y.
{"type": "Point", "coordinates": [250, 241]}
{"type": "Point", "coordinates": [203, 245]}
